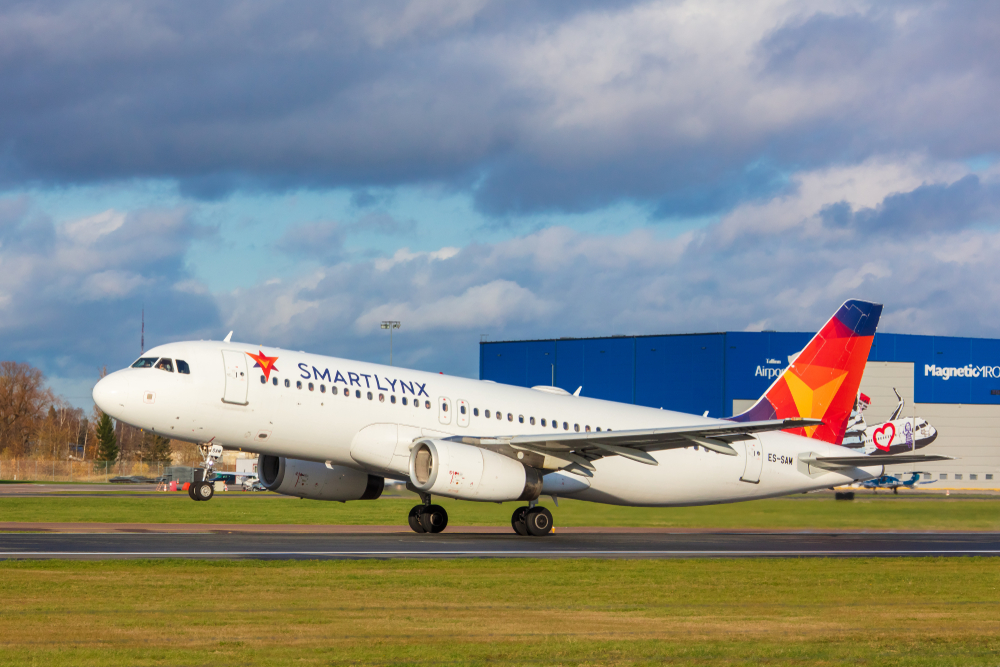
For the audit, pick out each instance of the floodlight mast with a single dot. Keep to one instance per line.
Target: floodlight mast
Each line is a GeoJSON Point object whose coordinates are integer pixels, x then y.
{"type": "Point", "coordinates": [390, 325]}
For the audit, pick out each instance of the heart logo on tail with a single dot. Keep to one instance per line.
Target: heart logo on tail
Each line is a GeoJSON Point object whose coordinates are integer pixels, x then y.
{"type": "Point", "coordinates": [883, 436]}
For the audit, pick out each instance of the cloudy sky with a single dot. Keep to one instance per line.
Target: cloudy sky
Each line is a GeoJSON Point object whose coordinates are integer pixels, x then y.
{"type": "Point", "coordinates": [298, 172]}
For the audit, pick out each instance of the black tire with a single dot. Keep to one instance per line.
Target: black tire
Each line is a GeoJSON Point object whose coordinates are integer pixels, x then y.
{"type": "Point", "coordinates": [191, 491]}
{"type": "Point", "coordinates": [434, 518]}
{"type": "Point", "coordinates": [414, 519]}
{"type": "Point", "coordinates": [205, 491]}
{"type": "Point", "coordinates": [539, 521]}
{"type": "Point", "coordinates": [517, 521]}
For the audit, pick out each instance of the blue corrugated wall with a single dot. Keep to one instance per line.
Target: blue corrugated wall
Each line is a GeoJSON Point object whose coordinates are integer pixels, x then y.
{"type": "Point", "coordinates": [698, 372]}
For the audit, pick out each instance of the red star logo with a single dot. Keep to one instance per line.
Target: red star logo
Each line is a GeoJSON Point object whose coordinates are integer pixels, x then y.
{"type": "Point", "coordinates": [264, 363]}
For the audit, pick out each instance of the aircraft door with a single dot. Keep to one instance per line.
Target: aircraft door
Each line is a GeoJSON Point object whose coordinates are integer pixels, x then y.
{"type": "Point", "coordinates": [444, 410]}
{"type": "Point", "coordinates": [754, 461]}
{"type": "Point", "coordinates": [462, 416]}
{"type": "Point", "coordinates": [235, 363]}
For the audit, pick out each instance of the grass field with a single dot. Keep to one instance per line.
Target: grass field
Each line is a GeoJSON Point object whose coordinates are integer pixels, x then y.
{"type": "Point", "coordinates": [498, 612]}
{"type": "Point", "coordinates": [803, 511]}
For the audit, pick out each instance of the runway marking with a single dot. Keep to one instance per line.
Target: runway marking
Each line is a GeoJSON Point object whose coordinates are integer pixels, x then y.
{"type": "Point", "coordinates": [820, 552]}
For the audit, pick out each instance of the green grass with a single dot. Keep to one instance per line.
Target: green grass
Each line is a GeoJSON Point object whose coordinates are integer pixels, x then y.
{"type": "Point", "coordinates": [869, 612]}
{"type": "Point", "coordinates": [797, 512]}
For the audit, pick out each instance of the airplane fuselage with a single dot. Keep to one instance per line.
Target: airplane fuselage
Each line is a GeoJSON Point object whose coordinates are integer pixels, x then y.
{"type": "Point", "coordinates": [367, 416]}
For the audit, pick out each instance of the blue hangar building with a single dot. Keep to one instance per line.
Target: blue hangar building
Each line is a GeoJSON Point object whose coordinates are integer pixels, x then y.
{"type": "Point", "coordinates": [954, 383]}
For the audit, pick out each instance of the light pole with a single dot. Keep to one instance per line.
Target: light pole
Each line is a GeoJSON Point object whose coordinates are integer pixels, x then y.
{"type": "Point", "coordinates": [390, 325]}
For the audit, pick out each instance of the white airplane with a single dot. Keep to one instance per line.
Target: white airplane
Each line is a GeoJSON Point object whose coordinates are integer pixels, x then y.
{"type": "Point", "coordinates": [334, 429]}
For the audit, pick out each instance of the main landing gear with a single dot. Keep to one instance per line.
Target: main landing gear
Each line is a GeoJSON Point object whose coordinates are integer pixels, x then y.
{"type": "Point", "coordinates": [528, 520]}
{"type": "Point", "coordinates": [531, 520]}
{"type": "Point", "coordinates": [428, 518]}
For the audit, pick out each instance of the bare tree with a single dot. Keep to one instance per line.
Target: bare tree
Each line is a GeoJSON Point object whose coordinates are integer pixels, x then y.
{"type": "Point", "coordinates": [24, 399]}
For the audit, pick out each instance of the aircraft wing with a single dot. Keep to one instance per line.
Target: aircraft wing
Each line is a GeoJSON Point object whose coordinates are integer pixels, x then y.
{"type": "Point", "coordinates": [575, 451]}
{"type": "Point", "coordinates": [834, 462]}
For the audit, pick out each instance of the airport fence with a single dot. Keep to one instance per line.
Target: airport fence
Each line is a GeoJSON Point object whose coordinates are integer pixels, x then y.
{"type": "Point", "coordinates": [32, 470]}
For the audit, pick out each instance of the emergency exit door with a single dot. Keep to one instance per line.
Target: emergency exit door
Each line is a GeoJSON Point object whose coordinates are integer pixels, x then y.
{"type": "Point", "coordinates": [235, 363]}
{"type": "Point", "coordinates": [754, 461]}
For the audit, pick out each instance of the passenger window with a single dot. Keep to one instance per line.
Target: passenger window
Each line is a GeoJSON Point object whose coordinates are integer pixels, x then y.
{"type": "Point", "coordinates": [532, 421]}
{"type": "Point", "coordinates": [587, 428]}
{"type": "Point", "coordinates": [298, 384]}
{"type": "Point", "coordinates": [347, 393]}
{"type": "Point", "coordinates": [520, 419]}
{"type": "Point", "coordinates": [462, 408]}
{"type": "Point", "coordinates": [404, 400]}
{"type": "Point", "coordinates": [165, 365]}
{"type": "Point", "coordinates": [274, 380]}
{"type": "Point", "coordinates": [543, 422]}
{"type": "Point", "coordinates": [333, 390]}
{"type": "Point", "coordinates": [555, 424]}
{"type": "Point", "coordinates": [565, 426]}
{"type": "Point", "coordinates": [357, 392]}
{"type": "Point", "coordinates": [598, 428]}
{"type": "Point", "coordinates": [322, 389]}
{"type": "Point", "coordinates": [392, 399]}
{"type": "Point", "coordinates": [381, 398]}
{"type": "Point", "coordinates": [311, 387]}
{"type": "Point", "coordinates": [499, 415]}
{"type": "Point", "coordinates": [427, 404]}
{"type": "Point", "coordinates": [487, 414]}
{"type": "Point", "coordinates": [287, 384]}
{"type": "Point", "coordinates": [576, 427]}
{"type": "Point", "coordinates": [444, 407]}
{"type": "Point", "coordinates": [263, 380]}
{"type": "Point", "coordinates": [475, 412]}
{"type": "Point", "coordinates": [145, 362]}
{"type": "Point", "coordinates": [369, 396]}
{"type": "Point", "coordinates": [182, 367]}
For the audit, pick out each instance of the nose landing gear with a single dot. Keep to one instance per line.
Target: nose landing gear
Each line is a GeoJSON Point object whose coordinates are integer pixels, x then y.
{"type": "Point", "coordinates": [528, 520]}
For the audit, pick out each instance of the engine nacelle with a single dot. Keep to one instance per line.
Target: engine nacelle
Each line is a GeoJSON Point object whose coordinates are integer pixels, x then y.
{"type": "Point", "coordinates": [454, 470]}
{"type": "Point", "coordinates": [316, 481]}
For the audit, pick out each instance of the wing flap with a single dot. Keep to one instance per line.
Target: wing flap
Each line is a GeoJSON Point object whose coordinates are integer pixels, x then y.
{"type": "Point", "coordinates": [839, 462]}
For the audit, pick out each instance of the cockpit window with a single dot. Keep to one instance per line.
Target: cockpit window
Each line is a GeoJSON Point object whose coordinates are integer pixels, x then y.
{"type": "Point", "coordinates": [144, 362]}
{"type": "Point", "coordinates": [182, 367]}
{"type": "Point", "coordinates": [165, 364]}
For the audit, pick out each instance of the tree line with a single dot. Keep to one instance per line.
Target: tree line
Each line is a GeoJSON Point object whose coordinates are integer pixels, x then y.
{"type": "Point", "coordinates": [35, 423]}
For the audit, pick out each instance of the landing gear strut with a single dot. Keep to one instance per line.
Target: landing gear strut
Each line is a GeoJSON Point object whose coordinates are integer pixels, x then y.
{"type": "Point", "coordinates": [528, 520]}
{"type": "Point", "coordinates": [427, 518]}
{"type": "Point", "coordinates": [204, 489]}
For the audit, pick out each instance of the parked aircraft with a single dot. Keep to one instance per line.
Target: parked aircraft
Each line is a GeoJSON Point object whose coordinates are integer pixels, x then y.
{"type": "Point", "coordinates": [335, 429]}
{"type": "Point", "coordinates": [894, 436]}
{"type": "Point", "coordinates": [895, 483]}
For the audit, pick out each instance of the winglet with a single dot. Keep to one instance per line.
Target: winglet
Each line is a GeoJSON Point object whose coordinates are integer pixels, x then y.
{"type": "Point", "coordinates": [228, 338]}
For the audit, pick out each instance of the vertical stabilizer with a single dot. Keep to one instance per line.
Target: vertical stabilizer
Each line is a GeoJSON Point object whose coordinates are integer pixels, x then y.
{"type": "Point", "coordinates": [822, 382]}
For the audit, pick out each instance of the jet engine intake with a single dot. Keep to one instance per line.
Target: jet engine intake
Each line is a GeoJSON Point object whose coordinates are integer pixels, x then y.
{"type": "Point", "coordinates": [455, 470]}
{"type": "Point", "coordinates": [317, 481]}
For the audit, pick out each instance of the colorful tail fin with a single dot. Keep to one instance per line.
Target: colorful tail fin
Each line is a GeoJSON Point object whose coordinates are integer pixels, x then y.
{"type": "Point", "coordinates": [822, 382]}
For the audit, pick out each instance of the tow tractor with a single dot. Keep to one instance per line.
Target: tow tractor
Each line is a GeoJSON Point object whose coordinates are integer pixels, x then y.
{"type": "Point", "coordinates": [203, 486]}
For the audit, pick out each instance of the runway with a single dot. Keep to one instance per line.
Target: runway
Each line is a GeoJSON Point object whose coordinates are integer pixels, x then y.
{"type": "Point", "coordinates": [340, 546]}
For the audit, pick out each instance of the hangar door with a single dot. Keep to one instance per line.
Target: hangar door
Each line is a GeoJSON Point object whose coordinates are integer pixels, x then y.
{"type": "Point", "coordinates": [754, 461]}
{"type": "Point", "coordinates": [235, 363]}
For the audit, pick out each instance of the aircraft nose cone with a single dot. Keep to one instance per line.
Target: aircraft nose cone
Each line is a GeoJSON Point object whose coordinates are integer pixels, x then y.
{"type": "Point", "coordinates": [110, 394]}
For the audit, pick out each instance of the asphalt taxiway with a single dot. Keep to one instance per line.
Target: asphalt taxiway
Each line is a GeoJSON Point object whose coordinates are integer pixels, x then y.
{"type": "Point", "coordinates": [289, 546]}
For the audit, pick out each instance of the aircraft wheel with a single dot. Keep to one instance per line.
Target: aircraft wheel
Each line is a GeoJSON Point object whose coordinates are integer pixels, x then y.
{"type": "Point", "coordinates": [414, 519]}
{"type": "Point", "coordinates": [434, 518]}
{"type": "Point", "coordinates": [517, 521]}
{"type": "Point", "coordinates": [539, 521]}
{"type": "Point", "coordinates": [191, 488]}
{"type": "Point", "coordinates": [205, 491]}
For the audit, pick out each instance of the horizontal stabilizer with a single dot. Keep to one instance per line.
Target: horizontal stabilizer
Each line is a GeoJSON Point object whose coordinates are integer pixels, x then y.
{"type": "Point", "coordinates": [835, 462]}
